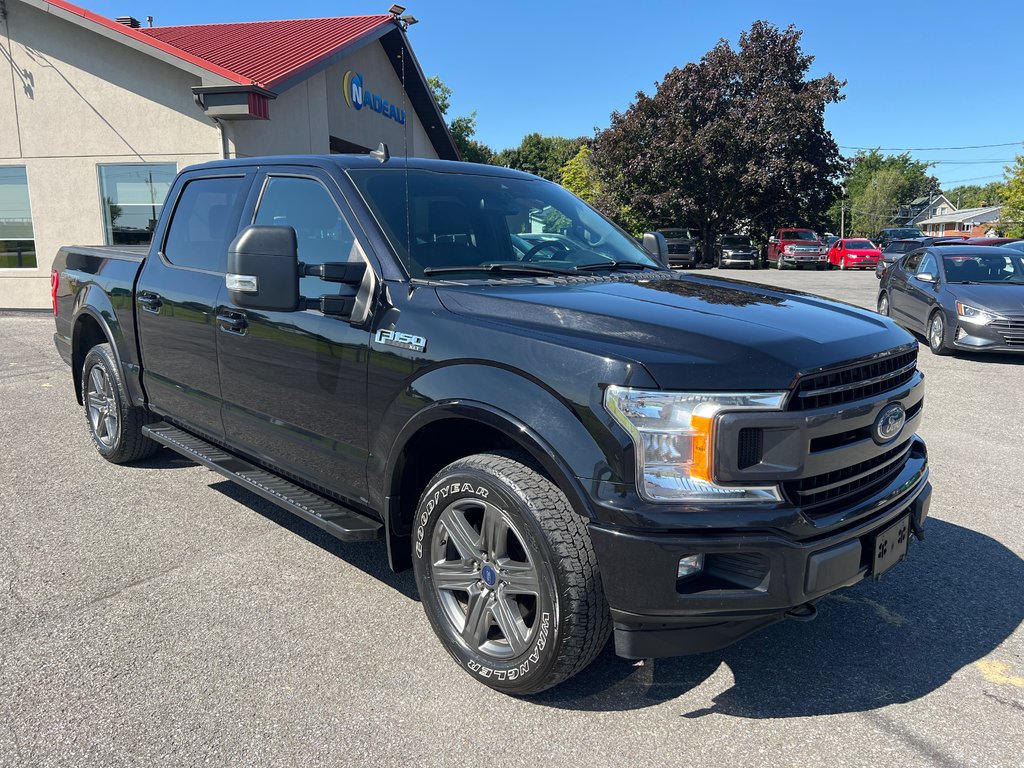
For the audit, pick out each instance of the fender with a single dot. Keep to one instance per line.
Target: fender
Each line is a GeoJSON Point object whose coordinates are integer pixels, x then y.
{"type": "Point", "coordinates": [529, 414]}
{"type": "Point", "coordinates": [94, 303]}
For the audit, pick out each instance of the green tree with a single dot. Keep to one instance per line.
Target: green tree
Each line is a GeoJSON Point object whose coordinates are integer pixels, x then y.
{"type": "Point", "coordinates": [1012, 219]}
{"type": "Point", "coordinates": [579, 176]}
{"type": "Point", "coordinates": [906, 179]}
{"type": "Point", "coordinates": [736, 138]}
{"type": "Point", "coordinates": [540, 155]}
{"type": "Point", "coordinates": [974, 195]}
{"type": "Point", "coordinates": [875, 205]}
{"type": "Point", "coordinates": [462, 128]}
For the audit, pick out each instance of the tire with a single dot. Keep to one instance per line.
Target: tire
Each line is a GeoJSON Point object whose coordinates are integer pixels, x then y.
{"type": "Point", "coordinates": [937, 337]}
{"type": "Point", "coordinates": [842, 263]}
{"type": "Point", "coordinates": [499, 513]}
{"type": "Point", "coordinates": [114, 425]}
{"type": "Point", "coordinates": [883, 304]}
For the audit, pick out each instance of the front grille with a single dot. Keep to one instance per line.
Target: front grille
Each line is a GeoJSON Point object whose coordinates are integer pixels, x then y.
{"type": "Point", "coordinates": [1012, 323]}
{"type": "Point", "coordinates": [679, 248]}
{"type": "Point", "coordinates": [854, 382]}
{"type": "Point", "coordinates": [826, 493]}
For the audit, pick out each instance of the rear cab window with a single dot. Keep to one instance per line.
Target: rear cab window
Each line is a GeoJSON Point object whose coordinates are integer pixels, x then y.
{"type": "Point", "coordinates": [204, 222]}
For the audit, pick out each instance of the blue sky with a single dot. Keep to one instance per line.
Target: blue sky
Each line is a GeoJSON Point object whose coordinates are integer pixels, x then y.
{"type": "Point", "coordinates": [938, 74]}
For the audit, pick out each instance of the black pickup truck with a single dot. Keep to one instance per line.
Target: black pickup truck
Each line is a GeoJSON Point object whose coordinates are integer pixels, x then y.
{"type": "Point", "coordinates": [563, 438]}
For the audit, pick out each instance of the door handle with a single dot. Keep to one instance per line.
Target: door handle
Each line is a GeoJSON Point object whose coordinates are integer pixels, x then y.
{"type": "Point", "coordinates": [232, 322]}
{"type": "Point", "coordinates": [150, 302]}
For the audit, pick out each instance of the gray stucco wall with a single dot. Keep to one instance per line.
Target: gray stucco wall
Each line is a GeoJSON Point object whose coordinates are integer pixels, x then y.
{"type": "Point", "coordinates": [70, 100]}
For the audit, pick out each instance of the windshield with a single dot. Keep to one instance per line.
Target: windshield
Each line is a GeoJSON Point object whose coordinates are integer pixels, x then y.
{"type": "Point", "coordinates": [859, 245]}
{"type": "Point", "coordinates": [797, 234]}
{"type": "Point", "coordinates": [898, 246]}
{"type": "Point", "coordinates": [467, 222]}
{"type": "Point", "coordinates": [984, 269]}
{"type": "Point", "coordinates": [676, 234]}
{"type": "Point", "coordinates": [736, 242]}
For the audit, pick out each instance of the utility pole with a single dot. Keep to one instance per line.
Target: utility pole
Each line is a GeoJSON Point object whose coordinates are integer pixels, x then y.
{"type": "Point", "coordinates": [842, 219]}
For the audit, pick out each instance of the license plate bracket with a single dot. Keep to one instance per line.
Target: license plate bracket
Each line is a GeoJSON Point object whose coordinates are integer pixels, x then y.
{"type": "Point", "coordinates": [890, 546]}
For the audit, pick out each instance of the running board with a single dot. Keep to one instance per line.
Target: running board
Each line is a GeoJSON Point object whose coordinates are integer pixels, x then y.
{"type": "Point", "coordinates": [340, 522]}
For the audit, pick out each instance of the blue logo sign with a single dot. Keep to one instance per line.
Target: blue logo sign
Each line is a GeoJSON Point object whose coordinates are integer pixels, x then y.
{"type": "Point", "coordinates": [357, 97]}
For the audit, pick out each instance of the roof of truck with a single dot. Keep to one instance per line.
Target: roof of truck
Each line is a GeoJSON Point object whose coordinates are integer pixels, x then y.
{"type": "Point", "coordinates": [348, 162]}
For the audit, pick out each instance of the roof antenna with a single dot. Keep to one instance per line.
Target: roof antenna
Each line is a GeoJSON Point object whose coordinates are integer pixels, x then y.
{"type": "Point", "coordinates": [381, 153]}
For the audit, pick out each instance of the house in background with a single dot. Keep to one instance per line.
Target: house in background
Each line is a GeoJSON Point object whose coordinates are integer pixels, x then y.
{"type": "Point", "coordinates": [935, 205]}
{"type": "Point", "coordinates": [972, 222]}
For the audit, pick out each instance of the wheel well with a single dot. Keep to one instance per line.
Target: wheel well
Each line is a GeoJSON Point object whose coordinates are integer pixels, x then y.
{"type": "Point", "coordinates": [87, 334]}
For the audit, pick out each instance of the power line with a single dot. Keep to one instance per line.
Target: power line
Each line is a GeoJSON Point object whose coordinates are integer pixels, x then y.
{"type": "Point", "coordinates": [975, 178]}
{"type": "Point", "coordinates": [934, 149]}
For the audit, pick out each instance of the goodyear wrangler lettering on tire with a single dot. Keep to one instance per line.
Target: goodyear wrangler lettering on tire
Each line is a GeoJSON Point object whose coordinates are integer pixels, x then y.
{"type": "Point", "coordinates": [507, 573]}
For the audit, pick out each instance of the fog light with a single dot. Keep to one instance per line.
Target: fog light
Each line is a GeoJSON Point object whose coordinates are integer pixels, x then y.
{"type": "Point", "coordinates": [960, 333]}
{"type": "Point", "coordinates": [690, 565]}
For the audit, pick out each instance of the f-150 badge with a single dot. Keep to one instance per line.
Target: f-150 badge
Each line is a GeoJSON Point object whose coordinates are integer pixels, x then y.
{"type": "Point", "coordinates": [403, 340]}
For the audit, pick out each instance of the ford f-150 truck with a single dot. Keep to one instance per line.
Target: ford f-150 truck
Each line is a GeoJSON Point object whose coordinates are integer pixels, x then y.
{"type": "Point", "coordinates": [796, 248]}
{"type": "Point", "coordinates": [564, 439]}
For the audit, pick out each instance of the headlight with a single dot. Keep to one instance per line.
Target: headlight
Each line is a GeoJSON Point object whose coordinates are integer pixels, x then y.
{"type": "Point", "coordinates": [968, 314]}
{"type": "Point", "coordinates": [788, 248]}
{"type": "Point", "coordinates": [674, 438]}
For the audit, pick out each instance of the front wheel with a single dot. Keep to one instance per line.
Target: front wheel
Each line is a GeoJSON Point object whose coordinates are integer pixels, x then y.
{"type": "Point", "coordinates": [507, 574]}
{"type": "Point", "coordinates": [883, 305]}
{"type": "Point", "coordinates": [937, 334]}
{"type": "Point", "coordinates": [114, 424]}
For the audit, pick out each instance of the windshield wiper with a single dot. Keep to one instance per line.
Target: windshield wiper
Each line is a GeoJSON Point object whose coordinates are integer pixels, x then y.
{"type": "Point", "coordinates": [507, 269]}
{"type": "Point", "coordinates": [615, 265]}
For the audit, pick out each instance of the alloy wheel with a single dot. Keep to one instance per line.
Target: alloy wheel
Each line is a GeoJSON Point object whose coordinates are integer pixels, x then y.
{"type": "Point", "coordinates": [485, 579]}
{"type": "Point", "coordinates": [102, 406]}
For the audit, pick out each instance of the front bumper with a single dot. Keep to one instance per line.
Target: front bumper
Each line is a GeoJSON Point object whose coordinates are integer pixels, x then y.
{"type": "Point", "coordinates": [751, 578]}
{"type": "Point", "coordinates": [803, 258]}
{"type": "Point", "coordinates": [984, 338]}
{"type": "Point", "coordinates": [738, 260]}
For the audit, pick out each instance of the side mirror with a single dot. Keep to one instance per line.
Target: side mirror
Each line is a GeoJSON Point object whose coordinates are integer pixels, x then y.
{"type": "Point", "coordinates": [656, 245]}
{"type": "Point", "coordinates": [926, 277]}
{"type": "Point", "coordinates": [263, 269]}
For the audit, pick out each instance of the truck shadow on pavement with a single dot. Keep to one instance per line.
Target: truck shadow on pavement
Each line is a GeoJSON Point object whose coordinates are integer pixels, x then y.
{"type": "Point", "coordinates": [369, 557]}
{"type": "Point", "coordinates": [956, 598]}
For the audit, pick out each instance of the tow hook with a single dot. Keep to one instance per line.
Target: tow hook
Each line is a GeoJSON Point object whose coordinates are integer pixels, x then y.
{"type": "Point", "coordinates": [804, 612]}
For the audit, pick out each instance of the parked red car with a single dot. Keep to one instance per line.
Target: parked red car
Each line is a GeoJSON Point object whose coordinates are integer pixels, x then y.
{"type": "Point", "coordinates": [853, 253]}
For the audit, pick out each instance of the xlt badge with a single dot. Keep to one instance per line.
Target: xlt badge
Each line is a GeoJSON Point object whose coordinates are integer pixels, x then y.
{"type": "Point", "coordinates": [403, 340]}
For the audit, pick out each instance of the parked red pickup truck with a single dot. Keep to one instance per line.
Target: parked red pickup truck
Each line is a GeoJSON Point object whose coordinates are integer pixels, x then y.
{"type": "Point", "coordinates": [796, 248]}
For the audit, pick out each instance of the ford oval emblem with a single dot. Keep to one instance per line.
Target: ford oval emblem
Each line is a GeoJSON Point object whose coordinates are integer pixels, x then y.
{"type": "Point", "coordinates": [889, 423]}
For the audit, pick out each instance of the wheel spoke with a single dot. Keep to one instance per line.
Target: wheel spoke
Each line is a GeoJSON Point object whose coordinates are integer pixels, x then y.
{"type": "Point", "coordinates": [94, 419]}
{"type": "Point", "coordinates": [494, 533]}
{"type": "Point", "coordinates": [506, 614]}
{"type": "Point", "coordinates": [466, 540]}
{"type": "Point", "coordinates": [474, 631]}
{"type": "Point", "coordinates": [110, 426]}
{"type": "Point", "coordinates": [519, 578]}
{"type": "Point", "coordinates": [96, 400]}
{"type": "Point", "coordinates": [96, 380]}
{"type": "Point", "coordinates": [454, 575]}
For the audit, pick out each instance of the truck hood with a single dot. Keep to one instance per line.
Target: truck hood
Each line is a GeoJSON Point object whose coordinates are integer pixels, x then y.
{"type": "Point", "coordinates": [688, 332]}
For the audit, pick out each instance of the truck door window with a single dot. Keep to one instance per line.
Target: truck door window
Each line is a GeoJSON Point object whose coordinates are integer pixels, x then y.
{"type": "Point", "coordinates": [204, 222]}
{"type": "Point", "coordinates": [323, 235]}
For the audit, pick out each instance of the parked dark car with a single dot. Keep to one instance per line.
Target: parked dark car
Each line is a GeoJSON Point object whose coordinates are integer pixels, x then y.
{"type": "Point", "coordinates": [966, 297]}
{"type": "Point", "coordinates": [682, 248]}
{"type": "Point", "coordinates": [887, 235]}
{"type": "Point", "coordinates": [735, 251]}
{"type": "Point", "coordinates": [893, 252]}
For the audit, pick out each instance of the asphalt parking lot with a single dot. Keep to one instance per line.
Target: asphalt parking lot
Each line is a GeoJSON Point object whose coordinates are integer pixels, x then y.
{"type": "Point", "coordinates": [158, 615]}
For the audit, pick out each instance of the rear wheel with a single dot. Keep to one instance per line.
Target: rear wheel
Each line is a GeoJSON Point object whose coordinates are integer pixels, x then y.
{"type": "Point", "coordinates": [937, 334]}
{"type": "Point", "coordinates": [114, 424]}
{"type": "Point", "coordinates": [507, 574]}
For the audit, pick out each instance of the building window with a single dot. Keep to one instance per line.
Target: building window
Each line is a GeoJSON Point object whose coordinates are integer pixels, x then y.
{"type": "Point", "coordinates": [17, 239]}
{"type": "Point", "coordinates": [132, 196]}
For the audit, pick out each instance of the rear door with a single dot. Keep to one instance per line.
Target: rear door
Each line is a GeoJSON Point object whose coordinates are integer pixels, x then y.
{"type": "Point", "coordinates": [176, 297]}
{"type": "Point", "coordinates": [294, 383]}
{"type": "Point", "coordinates": [899, 277]}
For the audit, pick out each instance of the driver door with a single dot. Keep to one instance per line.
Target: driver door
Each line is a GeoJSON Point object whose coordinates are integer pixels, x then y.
{"type": "Point", "coordinates": [921, 296]}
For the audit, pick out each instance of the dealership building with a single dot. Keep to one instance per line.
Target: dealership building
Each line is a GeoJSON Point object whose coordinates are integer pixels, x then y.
{"type": "Point", "coordinates": [100, 114]}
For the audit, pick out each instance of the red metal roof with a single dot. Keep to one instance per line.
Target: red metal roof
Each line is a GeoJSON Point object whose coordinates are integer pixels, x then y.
{"type": "Point", "coordinates": [268, 52]}
{"type": "Point", "coordinates": [261, 52]}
